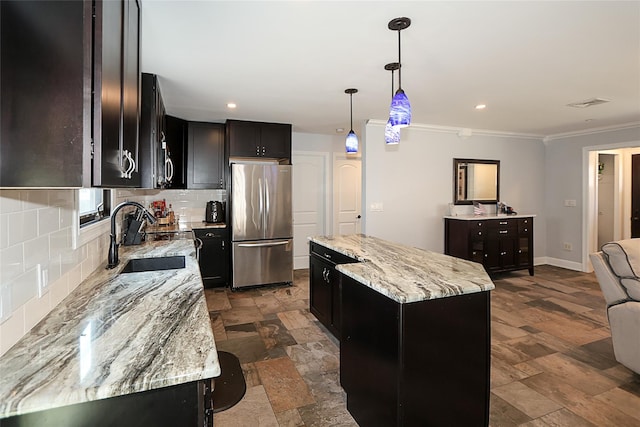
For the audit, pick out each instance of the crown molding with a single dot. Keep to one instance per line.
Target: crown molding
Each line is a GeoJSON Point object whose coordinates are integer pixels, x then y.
{"type": "Point", "coordinates": [591, 131]}
{"type": "Point", "coordinates": [464, 132]}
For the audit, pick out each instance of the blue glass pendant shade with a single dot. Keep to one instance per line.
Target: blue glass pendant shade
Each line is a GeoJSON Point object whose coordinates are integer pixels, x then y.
{"type": "Point", "coordinates": [352, 142]}
{"type": "Point", "coordinates": [391, 134]}
{"type": "Point", "coordinates": [400, 111]}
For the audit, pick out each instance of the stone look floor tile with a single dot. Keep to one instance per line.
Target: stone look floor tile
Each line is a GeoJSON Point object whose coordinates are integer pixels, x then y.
{"type": "Point", "coordinates": [526, 399]}
{"type": "Point", "coordinates": [254, 410]}
{"type": "Point", "coordinates": [551, 348]}
{"type": "Point", "coordinates": [284, 385]}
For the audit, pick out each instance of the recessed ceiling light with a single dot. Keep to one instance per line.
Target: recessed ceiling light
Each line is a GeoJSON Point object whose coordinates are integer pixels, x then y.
{"type": "Point", "coordinates": [231, 105]}
{"type": "Point", "coordinates": [339, 130]}
{"type": "Point", "coordinates": [481, 106]}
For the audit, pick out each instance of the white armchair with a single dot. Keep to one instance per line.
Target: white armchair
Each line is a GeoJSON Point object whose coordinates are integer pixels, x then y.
{"type": "Point", "coordinates": [617, 267]}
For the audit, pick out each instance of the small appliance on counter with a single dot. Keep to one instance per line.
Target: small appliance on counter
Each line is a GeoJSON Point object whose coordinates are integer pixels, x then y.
{"type": "Point", "coordinates": [215, 212]}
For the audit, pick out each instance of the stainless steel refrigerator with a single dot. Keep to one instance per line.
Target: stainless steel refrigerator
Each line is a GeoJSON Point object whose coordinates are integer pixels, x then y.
{"type": "Point", "coordinates": [261, 224]}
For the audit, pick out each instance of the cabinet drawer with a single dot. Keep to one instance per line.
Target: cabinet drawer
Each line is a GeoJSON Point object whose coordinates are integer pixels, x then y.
{"type": "Point", "coordinates": [330, 255]}
{"type": "Point", "coordinates": [525, 227]}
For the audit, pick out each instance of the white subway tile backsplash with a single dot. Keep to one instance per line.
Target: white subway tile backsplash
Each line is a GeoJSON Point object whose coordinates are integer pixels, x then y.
{"type": "Point", "coordinates": [23, 226]}
{"type": "Point", "coordinates": [48, 220]}
{"type": "Point", "coordinates": [4, 231]}
{"type": "Point", "coordinates": [58, 290]}
{"type": "Point", "coordinates": [34, 310]}
{"type": "Point", "coordinates": [36, 229]}
{"type": "Point", "coordinates": [24, 287]}
{"type": "Point", "coordinates": [10, 201]}
{"type": "Point", "coordinates": [62, 198]}
{"type": "Point", "coordinates": [12, 330]}
{"type": "Point", "coordinates": [60, 240]}
{"type": "Point", "coordinates": [36, 252]}
{"type": "Point", "coordinates": [11, 263]}
{"type": "Point", "coordinates": [34, 199]}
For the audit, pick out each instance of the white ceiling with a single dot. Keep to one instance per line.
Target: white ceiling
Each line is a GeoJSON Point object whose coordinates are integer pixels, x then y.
{"type": "Point", "coordinates": [290, 62]}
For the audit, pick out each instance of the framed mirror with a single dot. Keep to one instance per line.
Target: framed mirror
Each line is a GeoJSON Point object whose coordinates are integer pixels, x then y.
{"type": "Point", "coordinates": [476, 181]}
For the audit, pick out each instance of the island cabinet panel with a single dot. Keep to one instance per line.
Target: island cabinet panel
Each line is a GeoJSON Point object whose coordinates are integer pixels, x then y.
{"type": "Point", "coordinates": [205, 164]}
{"type": "Point", "coordinates": [424, 363]}
{"type": "Point", "coordinates": [187, 404]}
{"type": "Point", "coordinates": [499, 244]}
{"type": "Point", "coordinates": [258, 139]}
{"type": "Point", "coordinates": [324, 286]}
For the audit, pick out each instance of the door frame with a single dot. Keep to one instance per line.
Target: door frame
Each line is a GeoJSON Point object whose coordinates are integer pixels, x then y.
{"type": "Point", "coordinates": [590, 195]}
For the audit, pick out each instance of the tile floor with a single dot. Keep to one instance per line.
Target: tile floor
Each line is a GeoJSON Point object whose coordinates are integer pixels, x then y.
{"type": "Point", "coordinates": [552, 359]}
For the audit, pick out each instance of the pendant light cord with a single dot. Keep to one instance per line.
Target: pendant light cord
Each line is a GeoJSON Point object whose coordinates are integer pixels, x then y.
{"type": "Point", "coordinates": [399, 62]}
{"type": "Point", "coordinates": [351, 108]}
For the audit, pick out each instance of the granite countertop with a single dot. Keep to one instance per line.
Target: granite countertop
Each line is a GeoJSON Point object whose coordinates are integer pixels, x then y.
{"type": "Point", "coordinates": [471, 217]}
{"type": "Point", "coordinates": [113, 335]}
{"type": "Point", "coordinates": [406, 274]}
{"type": "Point", "coordinates": [179, 227]}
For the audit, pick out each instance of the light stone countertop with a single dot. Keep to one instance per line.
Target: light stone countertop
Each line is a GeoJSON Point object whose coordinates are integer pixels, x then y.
{"type": "Point", "coordinates": [406, 274]}
{"type": "Point", "coordinates": [487, 216]}
{"type": "Point", "coordinates": [181, 227]}
{"type": "Point", "coordinates": [113, 335]}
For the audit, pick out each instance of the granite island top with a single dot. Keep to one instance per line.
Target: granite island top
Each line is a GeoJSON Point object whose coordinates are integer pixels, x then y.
{"type": "Point", "coordinates": [403, 273]}
{"type": "Point", "coordinates": [115, 334]}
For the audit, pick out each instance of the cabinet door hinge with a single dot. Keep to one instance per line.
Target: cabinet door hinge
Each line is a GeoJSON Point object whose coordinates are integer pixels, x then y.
{"type": "Point", "coordinates": [92, 146]}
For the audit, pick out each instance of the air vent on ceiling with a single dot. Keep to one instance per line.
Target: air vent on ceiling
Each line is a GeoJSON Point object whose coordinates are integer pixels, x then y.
{"type": "Point", "coordinates": [588, 103]}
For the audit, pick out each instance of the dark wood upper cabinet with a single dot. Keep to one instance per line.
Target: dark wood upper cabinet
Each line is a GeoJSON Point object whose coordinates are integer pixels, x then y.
{"type": "Point", "coordinates": [258, 139]}
{"type": "Point", "coordinates": [157, 166]}
{"type": "Point", "coordinates": [205, 164]}
{"type": "Point", "coordinates": [116, 101]}
{"type": "Point", "coordinates": [176, 144]}
{"type": "Point", "coordinates": [70, 93]}
{"type": "Point", "coordinates": [45, 49]}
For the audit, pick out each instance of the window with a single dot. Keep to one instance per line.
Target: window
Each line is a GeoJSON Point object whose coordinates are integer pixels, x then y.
{"type": "Point", "coordinates": [94, 204]}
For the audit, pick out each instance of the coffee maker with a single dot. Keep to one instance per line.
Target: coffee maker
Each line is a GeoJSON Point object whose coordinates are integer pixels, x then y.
{"type": "Point", "coordinates": [215, 212]}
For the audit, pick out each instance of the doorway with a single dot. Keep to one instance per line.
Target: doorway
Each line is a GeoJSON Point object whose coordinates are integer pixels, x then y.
{"type": "Point", "coordinates": [620, 204]}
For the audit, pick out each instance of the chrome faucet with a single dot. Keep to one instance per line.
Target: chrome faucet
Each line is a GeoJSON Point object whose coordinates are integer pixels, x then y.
{"type": "Point", "coordinates": [113, 245]}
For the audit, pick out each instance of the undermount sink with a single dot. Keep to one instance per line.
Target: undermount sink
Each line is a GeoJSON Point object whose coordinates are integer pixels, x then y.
{"type": "Point", "coordinates": [137, 265]}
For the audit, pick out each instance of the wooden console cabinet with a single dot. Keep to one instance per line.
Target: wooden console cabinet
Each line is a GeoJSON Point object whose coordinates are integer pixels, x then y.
{"type": "Point", "coordinates": [499, 243]}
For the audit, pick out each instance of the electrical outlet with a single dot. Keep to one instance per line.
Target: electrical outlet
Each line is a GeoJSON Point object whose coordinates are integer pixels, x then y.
{"type": "Point", "coordinates": [43, 281]}
{"type": "Point", "coordinates": [377, 207]}
{"type": "Point", "coordinates": [5, 303]}
{"type": "Point", "coordinates": [567, 246]}
{"type": "Point", "coordinates": [570, 203]}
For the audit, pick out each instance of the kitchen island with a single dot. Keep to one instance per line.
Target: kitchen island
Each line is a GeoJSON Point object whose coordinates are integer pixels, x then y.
{"type": "Point", "coordinates": [119, 346]}
{"type": "Point", "coordinates": [415, 334]}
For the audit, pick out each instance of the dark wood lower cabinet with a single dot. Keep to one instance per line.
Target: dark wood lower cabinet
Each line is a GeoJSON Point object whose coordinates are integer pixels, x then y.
{"type": "Point", "coordinates": [187, 405]}
{"type": "Point", "coordinates": [418, 364]}
{"type": "Point", "coordinates": [324, 286]}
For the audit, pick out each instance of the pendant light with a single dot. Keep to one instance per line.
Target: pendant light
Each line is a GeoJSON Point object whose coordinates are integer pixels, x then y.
{"type": "Point", "coordinates": [392, 133]}
{"type": "Point", "coordinates": [400, 111]}
{"type": "Point", "coordinates": [352, 138]}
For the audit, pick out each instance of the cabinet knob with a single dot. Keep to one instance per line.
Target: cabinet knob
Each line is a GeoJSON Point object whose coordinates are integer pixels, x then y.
{"type": "Point", "coordinates": [526, 229]}
{"type": "Point", "coordinates": [479, 233]}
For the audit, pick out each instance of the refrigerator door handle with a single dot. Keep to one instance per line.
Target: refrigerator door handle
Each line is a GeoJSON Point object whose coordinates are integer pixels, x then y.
{"type": "Point", "coordinates": [262, 245]}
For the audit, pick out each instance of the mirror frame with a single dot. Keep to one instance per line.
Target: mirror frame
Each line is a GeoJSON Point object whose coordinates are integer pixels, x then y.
{"type": "Point", "coordinates": [456, 163]}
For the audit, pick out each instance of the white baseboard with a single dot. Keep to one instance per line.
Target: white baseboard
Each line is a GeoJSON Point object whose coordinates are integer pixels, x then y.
{"type": "Point", "coordinates": [557, 262]}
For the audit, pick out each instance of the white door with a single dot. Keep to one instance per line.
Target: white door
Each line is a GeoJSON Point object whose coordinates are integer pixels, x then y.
{"type": "Point", "coordinates": [347, 195]}
{"type": "Point", "coordinates": [309, 202]}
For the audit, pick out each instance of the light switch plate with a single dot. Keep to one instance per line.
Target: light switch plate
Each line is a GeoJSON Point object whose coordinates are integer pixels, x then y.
{"type": "Point", "coordinates": [570, 203]}
{"type": "Point", "coordinates": [377, 207]}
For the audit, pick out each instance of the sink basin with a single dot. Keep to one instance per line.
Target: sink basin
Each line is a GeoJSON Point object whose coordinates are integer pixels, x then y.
{"type": "Point", "coordinates": [137, 265]}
